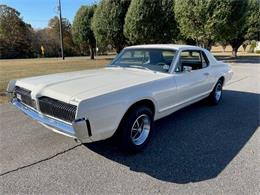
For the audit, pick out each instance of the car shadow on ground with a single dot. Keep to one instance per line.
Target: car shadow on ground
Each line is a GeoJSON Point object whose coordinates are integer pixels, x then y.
{"type": "Point", "coordinates": [195, 143]}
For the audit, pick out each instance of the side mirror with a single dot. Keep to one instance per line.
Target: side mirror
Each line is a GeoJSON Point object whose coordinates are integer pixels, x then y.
{"type": "Point", "coordinates": [187, 69]}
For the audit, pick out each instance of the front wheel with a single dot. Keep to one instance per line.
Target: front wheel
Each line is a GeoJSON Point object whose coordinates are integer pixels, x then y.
{"type": "Point", "coordinates": [135, 129]}
{"type": "Point", "coordinates": [216, 95]}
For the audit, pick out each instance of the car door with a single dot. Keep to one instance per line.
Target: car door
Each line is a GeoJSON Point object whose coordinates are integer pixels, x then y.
{"type": "Point", "coordinates": [192, 75]}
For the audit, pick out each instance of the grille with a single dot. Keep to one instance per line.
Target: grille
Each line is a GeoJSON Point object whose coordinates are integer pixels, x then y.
{"type": "Point", "coordinates": [24, 96]}
{"type": "Point", "coordinates": [57, 109]}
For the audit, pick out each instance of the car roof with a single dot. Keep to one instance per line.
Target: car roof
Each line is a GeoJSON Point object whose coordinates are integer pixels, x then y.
{"type": "Point", "coordinates": [163, 46]}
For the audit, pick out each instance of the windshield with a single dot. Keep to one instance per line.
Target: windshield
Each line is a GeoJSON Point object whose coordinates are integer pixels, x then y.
{"type": "Point", "coordinates": [152, 59]}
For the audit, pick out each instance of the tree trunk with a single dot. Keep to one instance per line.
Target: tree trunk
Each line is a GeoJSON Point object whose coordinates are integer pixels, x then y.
{"type": "Point", "coordinates": [119, 49]}
{"type": "Point", "coordinates": [235, 44]}
{"type": "Point", "coordinates": [224, 48]}
{"type": "Point", "coordinates": [244, 47]}
{"type": "Point", "coordinates": [208, 46]}
{"type": "Point", "coordinates": [234, 52]}
{"type": "Point", "coordinates": [92, 51]}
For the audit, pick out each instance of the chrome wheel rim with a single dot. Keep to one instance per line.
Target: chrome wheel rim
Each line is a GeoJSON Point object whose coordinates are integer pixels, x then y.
{"type": "Point", "coordinates": [218, 91]}
{"type": "Point", "coordinates": [140, 129]}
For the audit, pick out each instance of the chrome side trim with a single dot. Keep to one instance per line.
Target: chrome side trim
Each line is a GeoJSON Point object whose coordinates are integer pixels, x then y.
{"type": "Point", "coordinates": [60, 126]}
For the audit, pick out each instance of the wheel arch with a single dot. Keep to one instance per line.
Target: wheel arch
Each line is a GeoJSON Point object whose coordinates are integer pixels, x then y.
{"type": "Point", "coordinates": [222, 78]}
{"type": "Point", "coordinates": [218, 77]}
{"type": "Point", "coordinates": [143, 102]}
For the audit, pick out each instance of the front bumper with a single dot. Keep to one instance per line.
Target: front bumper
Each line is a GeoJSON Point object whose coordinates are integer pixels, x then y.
{"type": "Point", "coordinates": [78, 129]}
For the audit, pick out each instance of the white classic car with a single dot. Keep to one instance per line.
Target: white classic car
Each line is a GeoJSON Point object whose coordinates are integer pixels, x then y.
{"type": "Point", "coordinates": [142, 84]}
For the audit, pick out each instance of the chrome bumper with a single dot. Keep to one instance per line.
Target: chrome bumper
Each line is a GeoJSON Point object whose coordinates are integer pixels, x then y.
{"type": "Point", "coordinates": [78, 129]}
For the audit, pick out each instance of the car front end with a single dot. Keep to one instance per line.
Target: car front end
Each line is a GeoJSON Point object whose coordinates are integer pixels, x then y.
{"type": "Point", "coordinates": [86, 105]}
{"type": "Point", "coordinates": [54, 114]}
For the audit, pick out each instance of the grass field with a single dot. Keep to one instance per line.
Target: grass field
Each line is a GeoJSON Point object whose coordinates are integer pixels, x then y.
{"type": "Point", "coordinates": [19, 68]}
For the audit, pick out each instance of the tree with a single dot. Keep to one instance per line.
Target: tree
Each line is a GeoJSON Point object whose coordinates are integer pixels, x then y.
{"type": "Point", "coordinates": [108, 23]}
{"type": "Point", "coordinates": [49, 38]}
{"type": "Point", "coordinates": [150, 22]}
{"type": "Point", "coordinates": [15, 35]}
{"type": "Point", "coordinates": [213, 20]}
{"type": "Point", "coordinates": [197, 20]}
{"type": "Point", "coordinates": [235, 26]}
{"type": "Point", "coordinates": [253, 21]}
{"type": "Point", "coordinates": [81, 29]}
{"type": "Point", "coordinates": [224, 45]}
{"type": "Point", "coordinates": [169, 26]}
{"type": "Point", "coordinates": [69, 47]}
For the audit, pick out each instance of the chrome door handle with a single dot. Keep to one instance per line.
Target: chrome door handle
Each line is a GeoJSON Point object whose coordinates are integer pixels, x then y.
{"type": "Point", "coordinates": [206, 74]}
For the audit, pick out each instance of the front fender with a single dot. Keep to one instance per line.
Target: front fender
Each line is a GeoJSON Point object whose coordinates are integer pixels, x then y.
{"type": "Point", "coordinates": [106, 112]}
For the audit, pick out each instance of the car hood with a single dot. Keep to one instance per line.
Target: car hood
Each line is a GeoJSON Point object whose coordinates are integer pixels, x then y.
{"type": "Point", "coordinates": [80, 85]}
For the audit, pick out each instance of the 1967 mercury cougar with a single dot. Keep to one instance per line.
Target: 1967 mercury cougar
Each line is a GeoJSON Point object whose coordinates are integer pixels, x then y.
{"type": "Point", "coordinates": [142, 84]}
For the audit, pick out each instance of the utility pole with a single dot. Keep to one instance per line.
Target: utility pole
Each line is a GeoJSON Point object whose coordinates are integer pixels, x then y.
{"type": "Point", "coordinates": [61, 33]}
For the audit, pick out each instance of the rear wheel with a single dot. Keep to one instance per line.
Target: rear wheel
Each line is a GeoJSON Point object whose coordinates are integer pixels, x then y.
{"type": "Point", "coordinates": [216, 94]}
{"type": "Point", "coordinates": [135, 129]}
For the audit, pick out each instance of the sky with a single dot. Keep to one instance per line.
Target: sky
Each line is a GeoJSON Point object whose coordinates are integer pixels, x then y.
{"type": "Point", "coordinates": [38, 12]}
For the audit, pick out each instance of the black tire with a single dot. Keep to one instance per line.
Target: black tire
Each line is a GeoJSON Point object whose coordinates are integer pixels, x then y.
{"type": "Point", "coordinates": [125, 131]}
{"type": "Point", "coordinates": [216, 95]}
